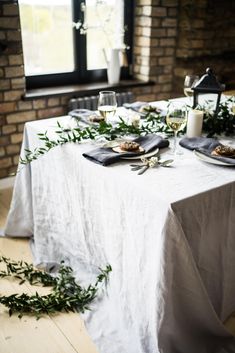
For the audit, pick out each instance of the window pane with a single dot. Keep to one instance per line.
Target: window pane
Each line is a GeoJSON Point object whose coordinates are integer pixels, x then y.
{"type": "Point", "coordinates": [47, 36]}
{"type": "Point", "coordinates": [105, 22]}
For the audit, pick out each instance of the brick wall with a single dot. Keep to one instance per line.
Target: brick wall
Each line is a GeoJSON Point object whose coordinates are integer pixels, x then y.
{"type": "Point", "coordinates": [171, 38]}
{"type": "Point", "coordinates": [155, 45]}
{"type": "Point", "coordinates": [206, 38]}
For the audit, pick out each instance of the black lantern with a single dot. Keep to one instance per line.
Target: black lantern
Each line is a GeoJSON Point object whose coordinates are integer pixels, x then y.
{"type": "Point", "coordinates": [208, 84]}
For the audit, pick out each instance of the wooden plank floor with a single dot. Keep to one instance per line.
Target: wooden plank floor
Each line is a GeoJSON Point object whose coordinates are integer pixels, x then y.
{"type": "Point", "coordinates": [62, 333]}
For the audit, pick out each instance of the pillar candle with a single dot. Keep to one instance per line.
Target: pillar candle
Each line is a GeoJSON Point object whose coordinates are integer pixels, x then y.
{"type": "Point", "coordinates": [194, 123]}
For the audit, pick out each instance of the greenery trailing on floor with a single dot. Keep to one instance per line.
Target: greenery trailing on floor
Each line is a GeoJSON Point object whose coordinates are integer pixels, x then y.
{"type": "Point", "coordinates": [66, 294]}
{"type": "Point", "coordinates": [152, 122]}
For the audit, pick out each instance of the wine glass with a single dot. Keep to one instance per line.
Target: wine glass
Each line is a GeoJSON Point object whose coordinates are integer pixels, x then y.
{"type": "Point", "coordinates": [176, 120]}
{"type": "Point", "coordinates": [107, 104]}
{"type": "Point", "coordinates": [189, 82]}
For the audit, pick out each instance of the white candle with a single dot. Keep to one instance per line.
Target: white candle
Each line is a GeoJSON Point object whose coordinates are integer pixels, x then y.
{"type": "Point", "coordinates": [194, 123]}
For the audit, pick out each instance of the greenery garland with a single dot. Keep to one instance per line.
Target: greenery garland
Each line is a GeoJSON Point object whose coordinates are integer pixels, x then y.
{"type": "Point", "coordinates": [223, 123]}
{"type": "Point", "coordinates": [153, 123]}
{"type": "Point", "coordinates": [66, 295]}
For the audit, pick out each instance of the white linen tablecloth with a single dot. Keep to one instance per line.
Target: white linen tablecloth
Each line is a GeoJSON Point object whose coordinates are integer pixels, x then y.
{"type": "Point", "coordinates": [169, 236]}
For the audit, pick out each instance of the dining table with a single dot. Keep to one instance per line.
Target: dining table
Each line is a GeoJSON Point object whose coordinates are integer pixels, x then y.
{"type": "Point", "coordinates": [169, 235]}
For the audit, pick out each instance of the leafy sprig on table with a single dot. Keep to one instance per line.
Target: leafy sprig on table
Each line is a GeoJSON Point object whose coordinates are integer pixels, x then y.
{"type": "Point", "coordinates": [223, 123]}
{"type": "Point", "coordinates": [153, 123]}
{"type": "Point", "coordinates": [66, 294]}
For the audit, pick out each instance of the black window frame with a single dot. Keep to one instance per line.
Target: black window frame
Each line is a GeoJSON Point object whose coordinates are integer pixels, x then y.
{"type": "Point", "coordinates": [81, 74]}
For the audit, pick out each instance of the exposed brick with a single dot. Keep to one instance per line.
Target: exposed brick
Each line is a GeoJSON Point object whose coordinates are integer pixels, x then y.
{"type": "Point", "coordinates": [7, 107]}
{"type": "Point", "coordinates": [143, 41]}
{"type": "Point", "coordinates": [169, 22]}
{"type": "Point", "coordinates": [5, 162]}
{"type": "Point", "coordinates": [166, 60]}
{"type": "Point", "coordinates": [9, 22]}
{"type": "Point", "coordinates": [16, 160]}
{"type": "Point", "coordinates": [64, 100]}
{"type": "Point", "coordinates": [143, 21]}
{"type": "Point", "coordinates": [144, 70]}
{"type": "Point", "coordinates": [147, 10]}
{"type": "Point", "coordinates": [20, 127]}
{"type": "Point", "coordinates": [15, 59]}
{"type": "Point", "coordinates": [1, 72]}
{"type": "Point", "coordinates": [171, 32]}
{"type": "Point", "coordinates": [159, 12]}
{"type": "Point", "coordinates": [52, 102]}
{"type": "Point", "coordinates": [158, 32]}
{"type": "Point", "coordinates": [154, 42]}
{"type": "Point", "coordinates": [21, 117]}
{"type": "Point", "coordinates": [170, 3]}
{"type": "Point", "coordinates": [164, 78]}
{"type": "Point", "coordinates": [12, 171]}
{"type": "Point", "coordinates": [16, 138]}
{"type": "Point", "coordinates": [5, 84]}
{"type": "Point", "coordinates": [159, 52]}
{"type": "Point", "coordinates": [198, 24]}
{"type": "Point", "coordinates": [144, 2]}
{"type": "Point", "coordinates": [3, 173]}
{"type": "Point", "coordinates": [8, 129]}
{"type": "Point", "coordinates": [172, 12]}
{"type": "Point", "coordinates": [145, 51]}
{"type": "Point", "coordinates": [3, 60]}
{"type": "Point", "coordinates": [13, 149]}
{"type": "Point", "coordinates": [2, 35]}
{"type": "Point", "coordinates": [168, 42]}
{"type": "Point", "coordinates": [10, 10]}
{"type": "Point", "coordinates": [169, 51]}
{"type": "Point", "coordinates": [167, 69]}
{"type": "Point", "coordinates": [39, 103]}
{"type": "Point", "coordinates": [12, 95]}
{"type": "Point", "coordinates": [2, 151]}
{"type": "Point", "coordinates": [197, 44]}
{"type": "Point", "coordinates": [166, 88]}
{"type": "Point", "coordinates": [156, 22]}
{"type": "Point", "coordinates": [14, 71]}
{"type": "Point", "coordinates": [14, 35]}
{"type": "Point", "coordinates": [18, 83]}
{"type": "Point", "coordinates": [22, 105]}
{"type": "Point", "coordinates": [4, 140]}
{"type": "Point", "coordinates": [50, 112]}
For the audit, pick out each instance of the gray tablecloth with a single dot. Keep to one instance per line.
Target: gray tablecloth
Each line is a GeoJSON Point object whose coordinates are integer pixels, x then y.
{"type": "Point", "coordinates": [168, 234]}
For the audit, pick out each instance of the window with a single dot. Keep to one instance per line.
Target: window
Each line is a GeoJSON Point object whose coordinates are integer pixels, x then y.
{"type": "Point", "coordinates": [65, 41]}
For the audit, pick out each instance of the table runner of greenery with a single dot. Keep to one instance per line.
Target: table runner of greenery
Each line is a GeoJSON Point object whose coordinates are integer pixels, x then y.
{"type": "Point", "coordinates": [152, 122]}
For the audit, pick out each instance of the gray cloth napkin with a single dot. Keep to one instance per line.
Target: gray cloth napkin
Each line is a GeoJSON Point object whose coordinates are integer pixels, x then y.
{"type": "Point", "coordinates": [193, 143]}
{"type": "Point", "coordinates": [135, 106]}
{"type": "Point", "coordinates": [106, 156]}
{"type": "Point", "coordinates": [82, 115]}
{"type": "Point", "coordinates": [205, 146]}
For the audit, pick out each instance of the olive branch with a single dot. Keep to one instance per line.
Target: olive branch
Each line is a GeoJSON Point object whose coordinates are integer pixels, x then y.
{"type": "Point", "coordinates": [66, 294]}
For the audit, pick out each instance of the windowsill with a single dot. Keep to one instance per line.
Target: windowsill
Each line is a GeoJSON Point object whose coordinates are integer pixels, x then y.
{"type": "Point", "coordinates": [82, 89]}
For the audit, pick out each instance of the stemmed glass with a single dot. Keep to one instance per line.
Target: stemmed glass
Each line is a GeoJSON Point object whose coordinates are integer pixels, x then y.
{"type": "Point", "coordinates": [107, 104]}
{"type": "Point", "coordinates": [176, 120]}
{"type": "Point", "coordinates": [189, 82]}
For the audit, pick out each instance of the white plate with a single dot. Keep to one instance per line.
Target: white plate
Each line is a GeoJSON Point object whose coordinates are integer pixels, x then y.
{"type": "Point", "coordinates": [207, 159]}
{"type": "Point", "coordinates": [119, 150]}
{"type": "Point", "coordinates": [149, 154]}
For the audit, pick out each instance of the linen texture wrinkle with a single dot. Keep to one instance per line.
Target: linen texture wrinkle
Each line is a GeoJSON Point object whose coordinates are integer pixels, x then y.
{"type": "Point", "coordinates": [167, 234]}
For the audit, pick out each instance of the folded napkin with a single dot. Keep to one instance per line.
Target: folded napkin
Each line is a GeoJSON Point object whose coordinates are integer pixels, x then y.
{"type": "Point", "coordinates": [193, 143]}
{"type": "Point", "coordinates": [83, 115]}
{"type": "Point", "coordinates": [205, 146]}
{"type": "Point", "coordinates": [136, 106]}
{"type": "Point", "coordinates": [106, 156]}
{"type": "Point", "coordinates": [139, 107]}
